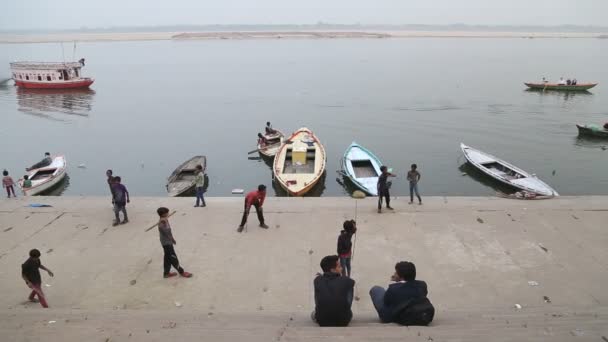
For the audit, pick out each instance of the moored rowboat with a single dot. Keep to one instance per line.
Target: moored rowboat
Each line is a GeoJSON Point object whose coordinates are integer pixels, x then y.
{"type": "Point", "coordinates": [592, 130]}
{"type": "Point", "coordinates": [46, 177]}
{"type": "Point", "coordinates": [300, 162]}
{"type": "Point", "coordinates": [181, 181]}
{"type": "Point", "coordinates": [274, 143]}
{"type": "Point", "coordinates": [362, 168]}
{"type": "Point", "coordinates": [505, 172]}
{"type": "Point", "coordinates": [562, 87]}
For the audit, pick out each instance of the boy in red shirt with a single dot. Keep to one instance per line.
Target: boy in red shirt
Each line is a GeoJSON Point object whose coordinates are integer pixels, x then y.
{"type": "Point", "coordinates": [255, 198]}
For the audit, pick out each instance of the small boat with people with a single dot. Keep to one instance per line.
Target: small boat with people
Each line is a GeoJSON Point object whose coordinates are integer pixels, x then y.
{"type": "Point", "coordinates": [181, 181]}
{"type": "Point", "coordinates": [50, 75]}
{"type": "Point", "coordinates": [561, 85]}
{"type": "Point", "coordinates": [362, 168]}
{"type": "Point", "coordinates": [269, 143]}
{"type": "Point", "coordinates": [593, 130]}
{"type": "Point", "coordinates": [300, 162]}
{"type": "Point", "coordinates": [44, 175]}
{"type": "Point", "coordinates": [506, 173]}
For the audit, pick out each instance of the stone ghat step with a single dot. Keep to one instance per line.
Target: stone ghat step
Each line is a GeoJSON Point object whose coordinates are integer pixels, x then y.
{"type": "Point", "coordinates": [533, 324]}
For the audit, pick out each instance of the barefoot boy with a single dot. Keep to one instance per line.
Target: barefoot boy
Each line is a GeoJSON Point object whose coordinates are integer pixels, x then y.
{"type": "Point", "coordinates": [30, 271]}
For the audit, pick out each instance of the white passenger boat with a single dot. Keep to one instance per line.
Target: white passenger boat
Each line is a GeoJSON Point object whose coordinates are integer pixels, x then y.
{"type": "Point", "coordinates": [300, 162]}
{"type": "Point", "coordinates": [506, 173]}
{"type": "Point", "coordinates": [45, 178]}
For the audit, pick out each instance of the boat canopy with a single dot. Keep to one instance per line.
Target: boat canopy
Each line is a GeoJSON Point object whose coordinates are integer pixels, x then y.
{"type": "Point", "coordinates": [45, 65]}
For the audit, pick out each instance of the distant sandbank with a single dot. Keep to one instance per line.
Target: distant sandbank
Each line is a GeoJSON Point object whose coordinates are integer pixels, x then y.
{"type": "Point", "coordinates": [243, 35]}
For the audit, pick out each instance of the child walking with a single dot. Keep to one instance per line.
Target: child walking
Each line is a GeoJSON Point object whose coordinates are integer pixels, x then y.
{"type": "Point", "coordinates": [167, 241]}
{"type": "Point", "coordinates": [30, 272]}
{"type": "Point", "coordinates": [121, 198]}
{"type": "Point", "coordinates": [8, 183]}
{"type": "Point", "coordinates": [345, 245]}
{"type": "Point", "coordinates": [413, 176]}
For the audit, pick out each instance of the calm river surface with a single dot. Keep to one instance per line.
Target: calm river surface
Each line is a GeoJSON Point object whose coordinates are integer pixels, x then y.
{"type": "Point", "coordinates": [155, 104]}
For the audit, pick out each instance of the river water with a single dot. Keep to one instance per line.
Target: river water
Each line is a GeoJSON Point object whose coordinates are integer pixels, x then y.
{"type": "Point", "coordinates": [155, 104]}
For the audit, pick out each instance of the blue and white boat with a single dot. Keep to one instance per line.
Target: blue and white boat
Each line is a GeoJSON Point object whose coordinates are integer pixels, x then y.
{"type": "Point", "coordinates": [362, 168]}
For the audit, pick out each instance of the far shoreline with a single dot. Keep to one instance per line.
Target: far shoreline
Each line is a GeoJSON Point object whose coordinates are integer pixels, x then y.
{"type": "Point", "coordinates": [270, 35]}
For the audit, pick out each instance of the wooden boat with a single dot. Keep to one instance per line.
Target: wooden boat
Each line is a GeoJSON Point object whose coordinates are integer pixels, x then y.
{"type": "Point", "coordinates": [561, 87]}
{"type": "Point", "coordinates": [45, 178]}
{"type": "Point", "coordinates": [50, 75]}
{"type": "Point", "coordinates": [506, 173]}
{"type": "Point", "coordinates": [299, 163]}
{"type": "Point", "coordinates": [181, 181]}
{"type": "Point", "coordinates": [592, 130]}
{"type": "Point", "coordinates": [362, 168]}
{"type": "Point", "coordinates": [274, 143]}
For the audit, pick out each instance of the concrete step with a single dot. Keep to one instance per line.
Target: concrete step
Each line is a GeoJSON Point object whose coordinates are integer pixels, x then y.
{"type": "Point", "coordinates": [535, 324]}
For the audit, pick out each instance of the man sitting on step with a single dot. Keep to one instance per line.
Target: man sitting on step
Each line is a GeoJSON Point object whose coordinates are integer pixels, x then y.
{"type": "Point", "coordinates": [333, 295]}
{"type": "Point", "coordinates": [405, 300]}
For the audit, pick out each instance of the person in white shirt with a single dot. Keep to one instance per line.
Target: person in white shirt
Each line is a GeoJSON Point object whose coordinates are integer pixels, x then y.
{"type": "Point", "coordinates": [561, 81]}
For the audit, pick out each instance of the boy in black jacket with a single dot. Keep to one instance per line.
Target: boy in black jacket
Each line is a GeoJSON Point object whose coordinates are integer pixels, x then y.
{"type": "Point", "coordinates": [345, 245]}
{"type": "Point", "coordinates": [333, 295]}
{"type": "Point", "coordinates": [392, 303]}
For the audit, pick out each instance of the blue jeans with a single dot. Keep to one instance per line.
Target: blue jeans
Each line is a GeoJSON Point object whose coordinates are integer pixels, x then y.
{"type": "Point", "coordinates": [414, 189]}
{"type": "Point", "coordinates": [345, 263]}
{"type": "Point", "coordinates": [199, 196]}
{"type": "Point", "coordinates": [377, 295]}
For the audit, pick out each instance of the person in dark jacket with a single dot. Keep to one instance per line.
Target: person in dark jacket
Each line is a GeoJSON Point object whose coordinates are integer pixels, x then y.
{"type": "Point", "coordinates": [383, 188]}
{"type": "Point", "coordinates": [333, 295]}
{"type": "Point", "coordinates": [345, 245]}
{"type": "Point", "coordinates": [404, 289]}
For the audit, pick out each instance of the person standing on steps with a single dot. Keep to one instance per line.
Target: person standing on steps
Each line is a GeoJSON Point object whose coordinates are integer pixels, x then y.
{"type": "Point", "coordinates": [383, 187]}
{"type": "Point", "coordinates": [167, 241]}
{"type": "Point", "coordinates": [413, 176]}
{"type": "Point", "coordinates": [30, 272]}
{"type": "Point", "coordinates": [199, 183]}
{"type": "Point", "coordinates": [256, 199]}
{"type": "Point", "coordinates": [345, 245]}
{"type": "Point", "coordinates": [110, 180]}
{"type": "Point", "coordinates": [121, 198]}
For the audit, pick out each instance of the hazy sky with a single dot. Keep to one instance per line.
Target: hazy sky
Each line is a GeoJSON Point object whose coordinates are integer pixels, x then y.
{"type": "Point", "coordinates": [58, 14]}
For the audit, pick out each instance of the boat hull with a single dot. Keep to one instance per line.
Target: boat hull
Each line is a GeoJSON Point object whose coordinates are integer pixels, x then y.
{"type": "Point", "coordinates": [365, 177]}
{"type": "Point", "coordinates": [553, 86]}
{"type": "Point", "coordinates": [40, 186]}
{"type": "Point", "coordinates": [592, 131]}
{"type": "Point", "coordinates": [524, 181]}
{"type": "Point", "coordinates": [298, 183]}
{"type": "Point", "coordinates": [79, 84]}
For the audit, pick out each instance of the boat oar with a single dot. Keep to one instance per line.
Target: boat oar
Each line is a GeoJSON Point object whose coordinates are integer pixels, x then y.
{"type": "Point", "coordinates": [251, 152]}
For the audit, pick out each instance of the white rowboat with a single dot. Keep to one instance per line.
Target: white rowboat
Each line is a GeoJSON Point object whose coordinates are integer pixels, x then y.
{"type": "Point", "coordinates": [181, 181]}
{"type": "Point", "coordinates": [362, 168]}
{"type": "Point", "coordinates": [45, 178]}
{"type": "Point", "coordinates": [274, 143]}
{"type": "Point", "coordinates": [506, 173]}
{"type": "Point", "coordinates": [300, 162]}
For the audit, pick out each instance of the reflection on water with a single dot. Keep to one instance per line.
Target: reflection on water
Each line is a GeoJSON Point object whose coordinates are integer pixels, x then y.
{"type": "Point", "coordinates": [316, 191]}
{"type": "Point", "coordinates": [44, 102]}
{"type": "Point", "coordinates": [566, 95]}
{"type": "Point", "coordinates": [591, 142]}
{"type": "Point", "coordinates": [476, 174]}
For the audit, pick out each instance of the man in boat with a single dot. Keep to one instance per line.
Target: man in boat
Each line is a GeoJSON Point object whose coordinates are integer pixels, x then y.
{"type": "Point", "coordinates": [383, 186]}
{"type": "Point", "coordinates": [568, 82]}
{"type": "Point", "coordinates": [333, 295]}
{"type": "Point", "coordinates": [44, 162]}
{"type": "Point", "coordinates": [254, 198]}
{"type": "Point", "coordinates": [574, 81]}
{"type": "Point", "coordinates": [269, 129]}
{"type": "Point", "coordinates": [262, 141]}
{"type": "Point", "coordinates": [561, 81]}
{"type": "Point", "coordinates": [405, 301]}
{"type": "Point", "coordinates": [81, 61]}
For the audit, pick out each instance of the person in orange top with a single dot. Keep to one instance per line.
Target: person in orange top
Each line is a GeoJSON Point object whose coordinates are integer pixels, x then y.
{"type": "Point", "coordinates": [256, 199]}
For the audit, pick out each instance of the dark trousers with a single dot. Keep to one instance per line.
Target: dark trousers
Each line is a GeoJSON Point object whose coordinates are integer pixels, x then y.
{"type": "Point", "coordinates": [199, 196]}
{"type": "Point", "coordinates": [10, 189]}
{"type": "Point", "coordinates": [384, 193]}
{"type": "Point", "coordinates": [258, 210]}
{"type": "Point", "coordinates": [171, 260]}
{"type": "Point", "coordinates": [345, 263]}
{"type": "Point", "coordinates": [118, 207]}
